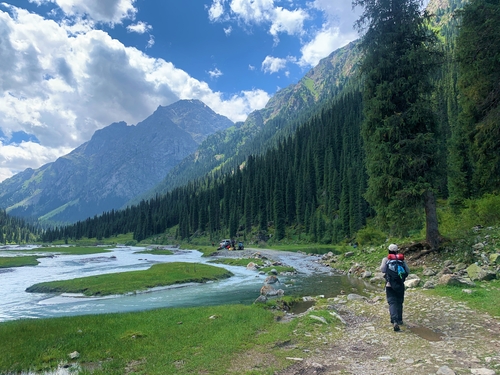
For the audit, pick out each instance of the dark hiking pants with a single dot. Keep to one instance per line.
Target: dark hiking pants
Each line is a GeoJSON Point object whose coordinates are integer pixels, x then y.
{"type": "Point", "coordinates": [395, 301]}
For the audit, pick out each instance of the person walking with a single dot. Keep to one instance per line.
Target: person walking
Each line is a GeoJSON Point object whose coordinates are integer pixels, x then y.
{"type": "Point", "coordinates": [394, 287]}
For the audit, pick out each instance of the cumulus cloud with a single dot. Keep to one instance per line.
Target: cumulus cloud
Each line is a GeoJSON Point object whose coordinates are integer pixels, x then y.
{"type": "Point", "coordinates": [278, 19]}
{"type": "Point", "coordinates": [317, 40]}
{"type": "Point", "coordinates": [62, 86]}
{"type": "Point", "coordinates": [109, 11]}
{"type": "Point", "coordinates": [273, 64]}
{"type": "Point", "coordinates": [140, 27]}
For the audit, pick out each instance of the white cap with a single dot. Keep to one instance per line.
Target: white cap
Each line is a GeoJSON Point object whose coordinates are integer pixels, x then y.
{"type": "Point", "coordinates": [393, 247]}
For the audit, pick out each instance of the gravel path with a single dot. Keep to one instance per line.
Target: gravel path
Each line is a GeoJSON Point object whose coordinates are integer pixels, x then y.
{"type": "Point", "coordinates": [439, 336]}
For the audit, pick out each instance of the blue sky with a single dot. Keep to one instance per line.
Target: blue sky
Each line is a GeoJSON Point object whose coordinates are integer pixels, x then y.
{"type": "Point", "coordinates": [71, 67]}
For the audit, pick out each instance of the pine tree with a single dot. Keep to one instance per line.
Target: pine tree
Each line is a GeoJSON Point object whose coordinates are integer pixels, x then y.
{"type": "Point", "coordinates": [400, 130]}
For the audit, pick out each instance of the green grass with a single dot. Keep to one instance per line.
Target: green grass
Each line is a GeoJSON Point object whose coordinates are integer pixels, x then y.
{"type": "Point", "coordinates": [155, 252]}
{"type": "Point", "coordinates": [119, 239]}
{"type": "Point", "coordinates": [202, 340]}
{"type": "Point", "coordinates": [127, 282]}
{"type": "Point", "coordinates": [484, 297]}
{"type": "Point", "coordinates": [8, 262]}
{"type": "Point", "coordinates": [238, 261]}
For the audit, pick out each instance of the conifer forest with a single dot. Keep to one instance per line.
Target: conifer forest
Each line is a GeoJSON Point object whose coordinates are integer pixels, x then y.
{"type": "Point", "coordinates": [418, 124]}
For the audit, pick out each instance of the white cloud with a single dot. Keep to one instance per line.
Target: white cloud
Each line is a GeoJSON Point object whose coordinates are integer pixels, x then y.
{"type": "Point", "coordinates": [325, 42]}
{"type": "Point", "coordinates": [278, 19]}
{"type": "Point", "coordinates": [140, 27]}
{"type": "Point", "coordinates": [107, 11]}
{"type": "Point", "coordinates": [61, 87]}
{"type": "Point", "coordinates": [216, 10]}
{"type": "Point", "coordinates": [16, 158]}
{"type": "Point", "coordinates": [214, 74]}
{"type": "Point", "coordinates": [228, 30]}
{"type": "Point", "coordinates": [274, 64]}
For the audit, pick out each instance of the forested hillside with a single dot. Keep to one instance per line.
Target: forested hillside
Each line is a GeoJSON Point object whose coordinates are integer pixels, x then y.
{"type": "Point", "coordinates": [14, 230]}
{"type": "Point", "coordinates": [313, 184]}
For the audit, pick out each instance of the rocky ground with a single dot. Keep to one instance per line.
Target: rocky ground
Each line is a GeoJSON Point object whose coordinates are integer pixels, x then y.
{"type": "Point", "coordinates": [439, 335]}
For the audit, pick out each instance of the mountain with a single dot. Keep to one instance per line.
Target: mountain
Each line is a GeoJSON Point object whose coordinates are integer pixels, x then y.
{"type": "Point", "coordinates": [264, 128]}
{"type": "Point", "coordinates": [117, 164]}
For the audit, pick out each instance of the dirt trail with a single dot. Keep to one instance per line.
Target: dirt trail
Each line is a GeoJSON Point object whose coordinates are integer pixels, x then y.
{"type": "Point", "coordinates": [439, 335]}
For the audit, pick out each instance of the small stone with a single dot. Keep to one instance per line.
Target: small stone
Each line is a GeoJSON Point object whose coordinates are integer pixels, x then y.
{"type": "Point", "coordinates": [74, 355]}
{"type": "Point", "coordinates": [482, 371]}
{"type": "Point", "coordinates": [445, 370]}
{"type": "Point", "coordinates": [385, 358]}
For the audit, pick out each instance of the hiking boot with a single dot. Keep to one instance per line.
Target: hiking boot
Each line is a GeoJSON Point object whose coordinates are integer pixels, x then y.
{"type": "Point", "coordinates": [396, 327]}
{"type": "Point", "coordinates": [400, 323]}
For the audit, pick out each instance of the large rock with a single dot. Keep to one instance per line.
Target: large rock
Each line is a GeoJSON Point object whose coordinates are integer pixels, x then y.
{"type": "Point", "coordinates": [477, 273]}
{"type": "Point", "coordinates": [272, 280]}
{"type": "Point", "coordinates": [454, 280]}
{"type": "Point", "coordinates": [412, 283]}
{"type": "Point", "coordinates": [495, 259]}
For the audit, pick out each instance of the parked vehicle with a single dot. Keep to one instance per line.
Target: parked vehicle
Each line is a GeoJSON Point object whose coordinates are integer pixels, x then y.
{"type": "Point", "coordinates": [225, 244]}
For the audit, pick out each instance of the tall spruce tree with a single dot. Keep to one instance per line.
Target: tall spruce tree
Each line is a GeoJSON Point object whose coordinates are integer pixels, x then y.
{"type": "Point", "coordinates": [478, 130]}
{"type": "Point", "coordinates": [399, 130]}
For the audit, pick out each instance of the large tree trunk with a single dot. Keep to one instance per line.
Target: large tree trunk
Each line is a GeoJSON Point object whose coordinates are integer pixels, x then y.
{"type": "Point", "coordinates": [432, 235]}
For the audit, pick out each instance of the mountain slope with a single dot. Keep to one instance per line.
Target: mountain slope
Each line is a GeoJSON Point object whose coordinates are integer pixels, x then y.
{"type": "Point", "coordinates": [117, 164]}
{"type": "Point", "coordinates": [263, 128]}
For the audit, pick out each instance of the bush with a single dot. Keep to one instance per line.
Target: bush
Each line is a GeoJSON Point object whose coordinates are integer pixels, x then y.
{"type": "Point", "coordinates": [370, 236]}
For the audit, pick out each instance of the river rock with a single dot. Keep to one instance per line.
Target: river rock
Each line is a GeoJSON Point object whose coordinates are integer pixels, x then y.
{"type": "Point", "coordinates": [252, 266]}
{"type": "Point", "coordinates": [268, 291]}
{"type": "Point", "coordinates": [261, 299]}
{"type": "Point", "coordinates": [271, 280]}
{"type": "Point", "coordinates": [74, 355]}
{"type": "Point", "coordinates": [349, 254]}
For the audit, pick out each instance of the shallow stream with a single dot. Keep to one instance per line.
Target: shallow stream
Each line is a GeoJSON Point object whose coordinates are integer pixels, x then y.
{"type": "Point", "coordinates": [243, 287]}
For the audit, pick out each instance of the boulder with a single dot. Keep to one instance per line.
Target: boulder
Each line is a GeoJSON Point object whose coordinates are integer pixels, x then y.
{"type": "Point", "coordinates": [428, 272]}
{"type": "Point", "coordinates": [267, 290]}
{"type": "Point", "coordinates": [495, 259]}
{"type": "Point", "coordinates": [377, 279]}
{"type": "Point", "coordinates": [429, 284]}
{"type": "Point", "coordinates": [355, 297]}
{"type": "Point", "coordinates": [454, 280]}
{"type": "Point", "coordinates": [477, 273]}
{"type": "Point", "coordinates": [412, 283]}
{"type": "Point", "coordinates": [272, 280]}
{"type": "Point", "coordinates": [261, 299]}
{"type": "Point", "coordinates": [252, 266]}
{"type": "Point", "coordinates": [366, 274]}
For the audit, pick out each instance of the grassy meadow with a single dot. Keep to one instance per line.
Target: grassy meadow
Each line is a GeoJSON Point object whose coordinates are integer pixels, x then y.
{"type": "Point", "coordinates": [202, 340]}
{"type": "Point", "coordinates": [158, 275]}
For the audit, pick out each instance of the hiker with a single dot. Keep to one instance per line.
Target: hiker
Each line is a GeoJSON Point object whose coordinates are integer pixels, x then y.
{"type": "Point", "coordinates": [394, 287]}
